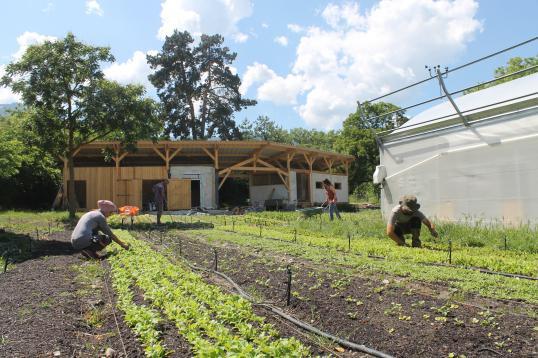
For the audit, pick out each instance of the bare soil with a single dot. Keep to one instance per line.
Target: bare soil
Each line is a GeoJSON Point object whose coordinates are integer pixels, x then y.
{"type": "Point", "coordinates": [50, 306]}
{"type": "Point", "coordinates": [391, 314]}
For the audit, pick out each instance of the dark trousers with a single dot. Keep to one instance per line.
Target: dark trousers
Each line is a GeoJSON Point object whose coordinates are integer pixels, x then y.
{"type": "Point", "coordinates": [411, 227]}
{"type": "Point", "coordinates": [99, 242]}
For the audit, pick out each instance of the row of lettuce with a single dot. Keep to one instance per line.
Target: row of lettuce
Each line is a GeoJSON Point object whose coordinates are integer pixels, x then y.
{"type": "Point", "coordinates": [214, 323]}
{"type": "Point", "coordinates": [514, 262]}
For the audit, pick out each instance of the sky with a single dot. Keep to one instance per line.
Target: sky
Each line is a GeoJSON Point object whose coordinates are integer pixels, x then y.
{"type": "Point", "coordinates": [306, 62]}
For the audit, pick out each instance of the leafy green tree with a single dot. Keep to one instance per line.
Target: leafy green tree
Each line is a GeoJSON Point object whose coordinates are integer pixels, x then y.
{"type": "Point", "coordinates": [63, 85]}
{"type": "Point", "coordinates": [514, 64]}
{"type": "Point", "coordinates": [358, 138]}
{"type": "Point", "coordinates": [197, 88]}
{"type": "Point", "coordinates": [34, 181]}
{"type": "Point", "coordinates": [313, 138]}
{"type": "Point", "coordinates": [263, 128]}
{"type": "Point", "coordinates": [10, 151]}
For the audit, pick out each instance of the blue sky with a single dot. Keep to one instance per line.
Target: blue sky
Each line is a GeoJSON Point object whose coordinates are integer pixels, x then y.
{"type": "Point", "coordinates": [306, 62]}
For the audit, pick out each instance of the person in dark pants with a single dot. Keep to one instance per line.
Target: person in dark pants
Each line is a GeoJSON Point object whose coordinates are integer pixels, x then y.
{"type": "Point", "coordinates": [331, 199]}
{"type": "Point", "coordinates": [404, 219]}
{"type": "Point", "coordinates": [86, 236]}
{"type": "Point", "coordinates": [159, 193]}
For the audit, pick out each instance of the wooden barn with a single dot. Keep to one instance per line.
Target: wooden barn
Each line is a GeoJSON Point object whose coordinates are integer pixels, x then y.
{"type": "Point", "coordinates": [280, 173]}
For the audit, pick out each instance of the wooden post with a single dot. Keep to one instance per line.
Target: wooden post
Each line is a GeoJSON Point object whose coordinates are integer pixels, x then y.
{"type": "Point", "coordinates": [64, 194]}
{"type": "Point", "coordinates": [288, 166]}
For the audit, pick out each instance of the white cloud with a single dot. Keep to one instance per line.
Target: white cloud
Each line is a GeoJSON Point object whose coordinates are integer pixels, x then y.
{"type": "Point", "coordinates": [25, 40]}
{"type": "Point", "coordinates": [133, 71]}
{"type": "Point", "coordinates": [274, 88]}
{"type": "Point", "coordinates": [240, 37]}
{"type": "Point", "coordinates": [93, 8]}
{"type": "Point", "coordinates": [295, 28]}
{"type": "Point", "coordinates": [265, 25]}
{"type": "Point", "coordinates": [6, 96]}
{"type": "Point", "coordinates": [357, 56]}
{"type": "Point", "coordinates": [281, 40]}
{"type": "Point", "coordinates": [255, 73]}
{"type": "Point", "coordinates": [30, 38]}
{"type": "Point", "coordinates": [341, 17]}
{"type": "Point", "coordinates": [204, 17]}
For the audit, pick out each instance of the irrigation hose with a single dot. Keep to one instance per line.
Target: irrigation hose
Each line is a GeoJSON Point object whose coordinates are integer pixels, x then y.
{"type": "Point", "coordinates": [297, 322]}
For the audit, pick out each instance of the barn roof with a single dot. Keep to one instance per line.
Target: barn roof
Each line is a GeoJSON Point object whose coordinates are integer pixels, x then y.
{"type": "Point", "coordinates": [221, 154]}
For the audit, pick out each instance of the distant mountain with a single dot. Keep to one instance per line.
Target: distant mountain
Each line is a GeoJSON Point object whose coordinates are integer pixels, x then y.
{"type": "Point", "coordinates": [4, 108]}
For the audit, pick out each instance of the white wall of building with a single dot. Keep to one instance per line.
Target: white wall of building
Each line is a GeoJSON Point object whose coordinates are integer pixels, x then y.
{"type": "Point", "coordinates": [319, 194]}
{"type": "Point", "coordinates": [206, 174]}
{"type": "Point", "coordinates": [483, 173]}
{"type": "Point", "coordinates": [260, 193]}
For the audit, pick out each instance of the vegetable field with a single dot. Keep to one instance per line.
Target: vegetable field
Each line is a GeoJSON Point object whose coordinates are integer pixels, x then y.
{"type": "Point", "coordinates": [276, 285]}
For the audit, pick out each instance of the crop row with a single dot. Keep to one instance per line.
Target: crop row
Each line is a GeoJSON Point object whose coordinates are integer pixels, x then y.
{"type": "Point", "coordinates": [459, 279]}
{"type": "Point", "coordinates": [483, 257]}
{"type": "Point", "coordinates": [214, 323]}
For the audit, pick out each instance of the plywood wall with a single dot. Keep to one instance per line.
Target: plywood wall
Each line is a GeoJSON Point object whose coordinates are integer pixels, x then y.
{"type": "Point", "coordinates": [100, 183]}
{"type": "Point", "coordinates": [179, 194]}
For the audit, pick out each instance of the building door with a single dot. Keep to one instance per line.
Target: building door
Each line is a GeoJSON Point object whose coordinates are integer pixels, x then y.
{"type": "Point", "coordinates": [303, 185]}
{"type": "Point", "coordinates": [147, 193]}
{"type": "Point", "coordinates": [179, 194]}
{"type": "Point", "coordinates": [195, 193]}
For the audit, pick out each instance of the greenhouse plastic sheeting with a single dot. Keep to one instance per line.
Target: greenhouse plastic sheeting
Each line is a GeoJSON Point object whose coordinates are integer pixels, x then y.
{"type": "Point", "coordinates": [487, 172]}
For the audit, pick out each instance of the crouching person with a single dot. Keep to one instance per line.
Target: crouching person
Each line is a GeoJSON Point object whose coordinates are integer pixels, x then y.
{"type": "Point", "coordinates": [405, 219]}
{"type": "Point", "coordinates": [92, 232]}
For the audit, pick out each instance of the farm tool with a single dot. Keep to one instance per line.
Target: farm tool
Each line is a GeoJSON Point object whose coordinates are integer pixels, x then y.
{"type": "Point", "coordinates": [309, 212]}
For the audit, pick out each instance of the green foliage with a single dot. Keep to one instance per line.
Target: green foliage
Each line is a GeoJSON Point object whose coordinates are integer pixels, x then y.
{"type": "Point", "coordinates": [187, 74]}
{"type": "Point", "coordinates": [29, 176]}
{"type": "Point", "coordinates": [358, 138]}
{"type": "Point", "coordinates": [513, 65]}
{"type": "Point", "coordinates": [214, 323]}
{"type": "Point", "coordinates": [63, 86]}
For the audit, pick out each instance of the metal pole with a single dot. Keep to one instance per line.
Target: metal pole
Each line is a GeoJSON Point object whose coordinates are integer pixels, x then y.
{"type": "Point", "coordinates": [447, 94]}
{"type": "Point", "coordinates": [288, 293]}
{"type": "Point", "coordinates": [450, 251]}
{"type": "Point", "coordinates": [505, 243]}
{"type": "Point", "coordinates": [6, 258]}
{"type": "Point", "coordinates": [348, 241]}
{"type": "Point", "coordinates": [216, 259]}
{"type": "Point", "coordinates": [295, 236]}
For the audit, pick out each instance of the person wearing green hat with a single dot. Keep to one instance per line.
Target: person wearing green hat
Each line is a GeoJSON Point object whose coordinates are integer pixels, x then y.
{"type": "Point", "coordinates": [405, 218]}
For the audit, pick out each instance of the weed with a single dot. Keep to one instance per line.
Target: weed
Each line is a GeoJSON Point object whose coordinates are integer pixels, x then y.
{"type": "Point", "coordinates": [394, 309]}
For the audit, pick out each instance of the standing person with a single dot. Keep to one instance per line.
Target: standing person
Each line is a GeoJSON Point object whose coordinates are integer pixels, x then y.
{"type": "Point", "coordinates": [86, 237]}
{"type": "Point", "coordinates": [405, 218]}
{"type": "Point", "coordinates": [330, 199]}
{"type": "Point", "coordinates": [159, 193]}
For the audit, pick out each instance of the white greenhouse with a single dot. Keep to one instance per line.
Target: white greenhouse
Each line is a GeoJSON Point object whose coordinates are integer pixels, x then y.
{"type": "Point", "coordinates": [480, 166]}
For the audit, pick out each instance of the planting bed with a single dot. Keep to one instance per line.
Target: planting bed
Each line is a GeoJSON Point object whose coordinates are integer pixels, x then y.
{"type": "Point", "coordinates": [385, 312]}
{"type": "Point", "coordinates": [53, 301]}
{"type": "Point", "coordinates": [56, 303]}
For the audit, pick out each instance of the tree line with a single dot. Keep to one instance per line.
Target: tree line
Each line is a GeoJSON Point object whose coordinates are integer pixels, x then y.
{"type": "Point", "coordinates": [67, 102]}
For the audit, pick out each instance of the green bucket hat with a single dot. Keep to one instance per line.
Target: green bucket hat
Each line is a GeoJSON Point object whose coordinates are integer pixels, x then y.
{"type": "Point", "coordinates": [409, 202]}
